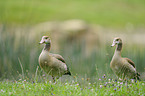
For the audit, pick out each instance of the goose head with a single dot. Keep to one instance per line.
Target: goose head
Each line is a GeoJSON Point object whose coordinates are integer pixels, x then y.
{"type": "Point", "coordinates": [45, 40]}
{"type": "Point", "coordinates": [116, 41]}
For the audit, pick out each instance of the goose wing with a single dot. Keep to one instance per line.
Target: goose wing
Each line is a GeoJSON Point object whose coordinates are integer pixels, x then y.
{"type": "Point", "coordinates": [57, 56]}
{"type": "Point", "coordinates": [130, 62]}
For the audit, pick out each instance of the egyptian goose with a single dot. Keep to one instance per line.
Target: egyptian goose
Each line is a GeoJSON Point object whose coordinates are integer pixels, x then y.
{"type": "Point", "coordinates": [122, 67]}
{"type": "Point", "coordinates": [53, 64]}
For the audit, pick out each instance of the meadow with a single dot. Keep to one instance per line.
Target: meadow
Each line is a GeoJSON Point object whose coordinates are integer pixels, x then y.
{"type": "Point", "coordinates": [103, 12]}
{"type": "Point", "coordinates": [20, 73]}
{"type": "Point", "coordinates": [72, 88]}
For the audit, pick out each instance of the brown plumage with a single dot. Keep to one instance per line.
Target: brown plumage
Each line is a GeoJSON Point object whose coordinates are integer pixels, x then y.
{"type": "Point", "coordinates": [53, 64]}
{"type": "Point", "coordinates": [122, 67]}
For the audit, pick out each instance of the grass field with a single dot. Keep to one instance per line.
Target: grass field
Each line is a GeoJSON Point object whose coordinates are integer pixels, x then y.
{"type": "Point", "coordinates": [103, 87]}
{"type": "Point", "coordinates": [112, 13]}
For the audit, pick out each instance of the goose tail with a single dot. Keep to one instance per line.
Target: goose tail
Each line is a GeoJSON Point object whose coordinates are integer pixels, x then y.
{"type": "Point", "coordinates": [137, 77]}
{"type": "Point", "coordinates": [68, 72]}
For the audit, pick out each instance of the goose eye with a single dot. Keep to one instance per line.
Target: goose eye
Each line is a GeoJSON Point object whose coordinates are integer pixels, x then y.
{"type": "Point", "coordinates": [117, 39]}
{"type": "Point", "coordinates": [46, 37]}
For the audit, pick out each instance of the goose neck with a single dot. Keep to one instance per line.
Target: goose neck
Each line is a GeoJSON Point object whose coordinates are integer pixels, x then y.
{"type": "Point", "coordinates": [119, 47]}
{"type": "Point", "coordinates": [118, 50]}
{"type": "Point", "coordinates": [47, 47]}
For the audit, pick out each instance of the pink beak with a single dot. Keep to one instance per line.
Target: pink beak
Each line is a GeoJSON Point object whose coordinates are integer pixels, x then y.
{"type": "Point", "coordinates": [42, 41]}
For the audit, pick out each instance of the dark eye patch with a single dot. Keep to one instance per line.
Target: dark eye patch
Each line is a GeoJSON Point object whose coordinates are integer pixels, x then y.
{"type": "Point", "coordinates": [117, 39]}
{"type": "Point", "coordinates": [46, 37]}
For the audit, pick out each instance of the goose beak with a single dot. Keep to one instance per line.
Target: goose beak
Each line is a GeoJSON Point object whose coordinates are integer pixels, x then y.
{"type": "Point", "coordinates": [113, 44]}
{"type": "Point", "coordinates": [41, 42]}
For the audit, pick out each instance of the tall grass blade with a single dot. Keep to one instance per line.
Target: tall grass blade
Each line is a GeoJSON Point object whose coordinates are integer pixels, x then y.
{"type": "Point", "coordinates": [36, 73]}
{"type": "Point", "coordinates": [21, 68]}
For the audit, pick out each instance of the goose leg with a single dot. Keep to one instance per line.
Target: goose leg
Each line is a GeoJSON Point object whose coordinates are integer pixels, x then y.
{"type": "Point", "coordinates": [53, 78]}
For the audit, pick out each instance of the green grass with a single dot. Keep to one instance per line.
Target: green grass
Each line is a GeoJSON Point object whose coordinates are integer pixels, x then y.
{"type": "Point", "coordinates": [114, 13]}
{"type": "Point", "coordinates": [103, 87]}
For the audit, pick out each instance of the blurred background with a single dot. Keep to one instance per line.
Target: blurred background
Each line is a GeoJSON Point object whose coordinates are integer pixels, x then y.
{"type": "Point", "coordinates": [81, 31]}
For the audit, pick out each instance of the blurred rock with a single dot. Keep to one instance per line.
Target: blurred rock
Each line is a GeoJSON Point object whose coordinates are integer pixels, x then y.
{"type": "Point", "coordinates": [68, 33]}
